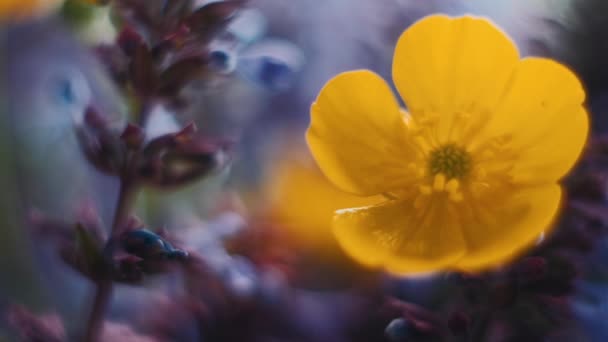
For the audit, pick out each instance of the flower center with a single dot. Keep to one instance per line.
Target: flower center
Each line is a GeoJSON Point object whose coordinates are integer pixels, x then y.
{"type": "Point", "coordinates": [450, 160]}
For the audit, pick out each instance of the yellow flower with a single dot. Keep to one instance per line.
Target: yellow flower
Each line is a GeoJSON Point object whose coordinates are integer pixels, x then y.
{"type": "Point", "coordinates": [19, 9]}
{"type": "Point", "coordinates": [471, 172]}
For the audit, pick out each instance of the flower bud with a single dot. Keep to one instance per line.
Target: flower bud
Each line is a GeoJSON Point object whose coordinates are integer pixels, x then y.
{"type": "Point", "coordinates": [179, 74]}
{"type": "Point", "coordinates": [398, 330]}
{"type": "Point", "coordinates": [147, 245]}
{"type": "Point", "coordinates": [128, 40]}
{"type": "Point", "coordinates": [178, 158]}
{"type": "Point", "coordinates": [133, 136]}
{"type": "Point", "coordinates": [100, 144]}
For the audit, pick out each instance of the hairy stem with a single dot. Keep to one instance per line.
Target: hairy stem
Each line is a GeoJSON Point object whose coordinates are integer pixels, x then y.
{"type": "Point", "coordinates": [126, 197]}
{"type": "Point", "coordinates": [104, 288]}
{"type": "Point", "coordinates": [101, 301]}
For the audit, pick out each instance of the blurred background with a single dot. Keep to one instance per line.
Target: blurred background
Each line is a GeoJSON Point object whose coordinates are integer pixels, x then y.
{"type": "Point", "coordinates": [260, 222]}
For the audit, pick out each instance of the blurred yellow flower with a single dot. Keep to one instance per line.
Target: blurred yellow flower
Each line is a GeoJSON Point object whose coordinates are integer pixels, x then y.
{"type": "Point", "coordinates": [304, 201]}
{"type": "Point", "coordinates": [19, 9]}
{"type": "Point", "coordinates": [471, 173]}
{"type": "Point", "coordinates": [12, 10]}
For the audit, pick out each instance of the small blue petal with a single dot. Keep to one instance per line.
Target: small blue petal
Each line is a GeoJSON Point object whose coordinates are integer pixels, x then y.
{"type": "Point", "coordinates": [273, 64]}
{"type": "Point", "coordinates": [222, 60]}
{"type": "Point", "coordinates": [223, 54]}
{"type": "Point", "coordinates": [268, 72]}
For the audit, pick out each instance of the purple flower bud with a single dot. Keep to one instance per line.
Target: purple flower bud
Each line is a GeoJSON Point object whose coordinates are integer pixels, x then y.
{"type": "Point", "coordinates": [128, 40]}
{"type": "Point", "coordinates": [178, 158]}
{"type": "Point", "coordinates": [100, 144]}
{"type": "Point", "coordinates": [179, 74]}
{"type": "Point", "coordinates": [133, 136]}
{"type": "Point", "coordinates": [127, 269]}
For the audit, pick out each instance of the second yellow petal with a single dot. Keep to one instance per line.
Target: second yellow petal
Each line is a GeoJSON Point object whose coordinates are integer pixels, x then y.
{"type": "Point", "coordinates": [510, 225]}
{"type": "Point", "coordinates": [357, 134]}
{"type": "Point", "coordinates": [450, 66]}
{"type": "Point", "coordinates": [543, 115]}
{"type": "Point", "coordinates": [400, 238]}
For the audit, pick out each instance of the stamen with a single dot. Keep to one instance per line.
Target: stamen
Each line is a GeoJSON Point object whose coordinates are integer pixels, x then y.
{"type": "Point", "coordinates": [439, 182]}
{"type": "Point", "coordinates": [450, 160]}
{"type": "Point", "coordinates": [452, 186]}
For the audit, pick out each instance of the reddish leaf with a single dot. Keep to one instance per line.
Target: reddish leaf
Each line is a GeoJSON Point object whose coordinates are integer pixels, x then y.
{"type": "Point", "coordinates": [143, 71]}
{"type": "Point", "coordinates": [174, 78]}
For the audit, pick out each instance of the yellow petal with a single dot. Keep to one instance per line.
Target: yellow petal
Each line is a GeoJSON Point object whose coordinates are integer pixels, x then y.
{"type": "Point", "coordinates": [544, 117]}
{"type": "Point", "coordinates": [357, 134]}
{"type": "Point", "coordinates": [447, 67]}
{"type": "Point", "coordinates": [396, 236]}
{"type": "Point", "coordinates": [511, 226]}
